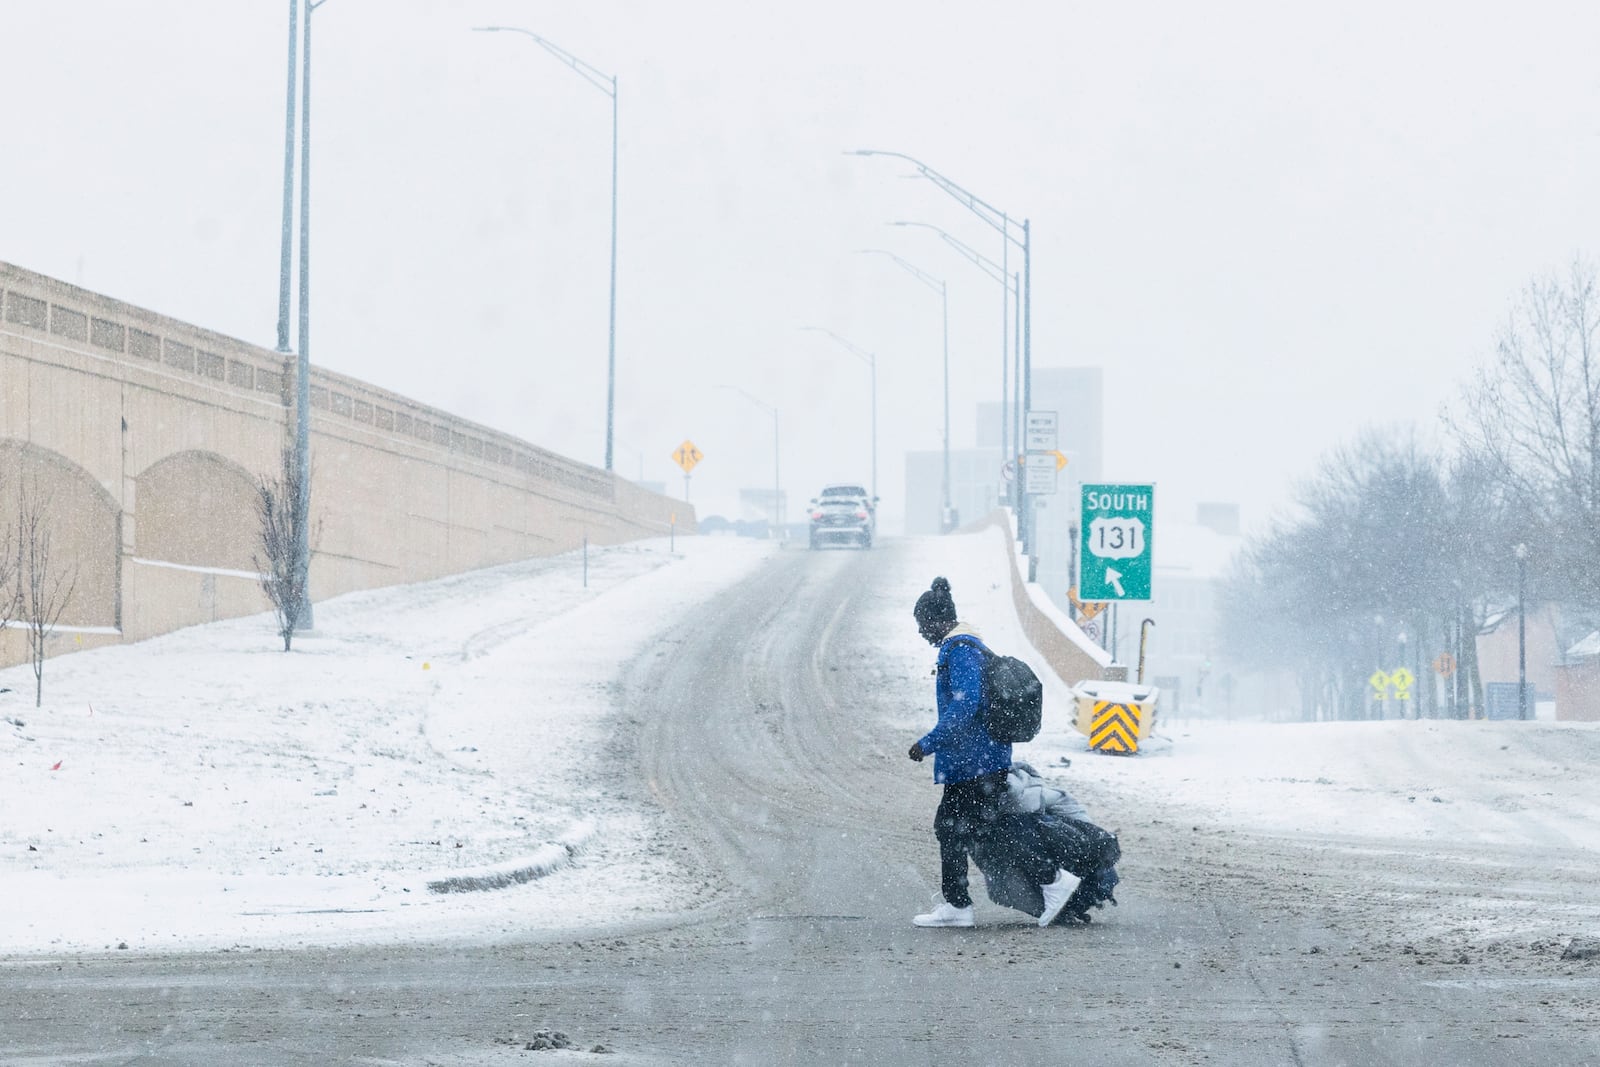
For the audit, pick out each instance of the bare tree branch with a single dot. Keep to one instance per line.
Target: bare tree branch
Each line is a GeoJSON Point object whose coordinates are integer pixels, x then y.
{"type": "Point", "coordinates": [1532, 419]}
{"type": "Point", "coordinates": [43, 590]}
{"type": "Point", "coordinates": [10, 591]}
{"type": "Point", "coordinates": [278, 519]}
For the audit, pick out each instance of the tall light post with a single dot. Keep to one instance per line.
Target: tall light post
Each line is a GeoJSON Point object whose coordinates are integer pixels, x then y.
{"type": "Point", "coordinates": [777, 492]}
{"type": "Point", "coordinates": [302, 428]}
{"type": "Point", "coordinates": [606, 83]}
{"type": "Point", "coordinates": [1000, 221]}
{"type": "Point", "coordinates": [1401, 639]}
{"type": "Point", "coordinates": [1522, 631]}
{"type": "Point", "coordinates": [997, 271]}
{"type": "Point", "coordinates": [871, 360]}
{"type": "Point", "coordinates": [938, 286]}
{"type": "Point", "coordinates": [285, 256]}
{"type": "Point", "coordinates": [1380, 654]}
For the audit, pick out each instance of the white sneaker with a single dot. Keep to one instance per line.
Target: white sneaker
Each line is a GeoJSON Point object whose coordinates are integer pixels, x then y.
{"type": "Point", "coordinates": [1056, 895]}
{"type": "Point", "coordinates": [946, 914]}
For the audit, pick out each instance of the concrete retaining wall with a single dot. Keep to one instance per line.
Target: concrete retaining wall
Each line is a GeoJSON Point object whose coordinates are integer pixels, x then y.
{"type": "Point", "coordinates": [146, 435]}
{"type": "Point", "coordinates": [1064, 646]}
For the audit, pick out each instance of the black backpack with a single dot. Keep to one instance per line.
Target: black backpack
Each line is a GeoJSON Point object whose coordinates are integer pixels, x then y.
{"type": "Point", "coordinates": [1013, 699]}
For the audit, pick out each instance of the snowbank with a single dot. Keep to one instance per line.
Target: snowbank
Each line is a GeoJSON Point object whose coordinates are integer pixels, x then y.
{"type": "Point", "coordinates": [203, 789]}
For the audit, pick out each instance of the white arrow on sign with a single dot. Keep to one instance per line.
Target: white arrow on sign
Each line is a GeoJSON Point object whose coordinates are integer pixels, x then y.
{"type": "Point", "coordinates": [1114, 580]}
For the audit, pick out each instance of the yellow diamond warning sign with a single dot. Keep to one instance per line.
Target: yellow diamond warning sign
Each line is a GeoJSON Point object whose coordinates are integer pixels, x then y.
{"type": "Point", "coordinates": [687, 456]}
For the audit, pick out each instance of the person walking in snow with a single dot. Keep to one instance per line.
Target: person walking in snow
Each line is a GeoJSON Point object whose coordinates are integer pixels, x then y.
{"type": "Point", "coordinates": [966, 761]}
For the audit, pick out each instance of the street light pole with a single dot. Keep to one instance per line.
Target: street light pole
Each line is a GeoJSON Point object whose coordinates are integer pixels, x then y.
{"type": "Point", "coordinates": [302, 429]}
{"type": "Point", "coordinates": [1016, 297]}
{"type": "Point", "coordinates": [871, 360]}
{"type": "Point", "coordinates": [1027, 318]}
{"type": "Point", "coordinates": [938, 286]}
{"type": "Point", "coordinates": [1522, 631]}
{"type": "Point", "coordinates": [606, 83]}
{"type": "Point", "coordinates": [1000, 221]}
{"type": "Point", "coordinates": [998, 272]}
{"type": "Point", "coordinates": [1016, 395]}
{"type": "Point", "coordinates": [611, 342]}
{"type": "Point", "coordinates": [944, 326]}
{"type": "Point", "coordinates": [285, 257]}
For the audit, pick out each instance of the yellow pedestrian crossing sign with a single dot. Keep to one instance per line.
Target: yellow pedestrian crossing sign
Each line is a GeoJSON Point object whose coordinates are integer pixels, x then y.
{"type": "Point", "coordinates": [687, 456]}
{"type": "Point", "coordinates": [1399, 679]}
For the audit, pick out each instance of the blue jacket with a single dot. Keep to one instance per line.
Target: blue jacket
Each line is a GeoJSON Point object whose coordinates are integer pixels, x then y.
{"type": "Point", "coordinates": [960, 745]}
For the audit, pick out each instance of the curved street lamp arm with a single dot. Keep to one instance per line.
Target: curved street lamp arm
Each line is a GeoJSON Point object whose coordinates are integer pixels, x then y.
{"type": "Point", "coordinates": [860, 353]}
{"type": "Point", "coordinates": [754, 400]}
{"type": "Point", "coordinates": [606, 83]}
{"type": "Point", "coordinates": [936, 284]}
{"type": "Point", "coordinates": [990, 267]}
{"type": "Point", "coordinates": [978, 206]}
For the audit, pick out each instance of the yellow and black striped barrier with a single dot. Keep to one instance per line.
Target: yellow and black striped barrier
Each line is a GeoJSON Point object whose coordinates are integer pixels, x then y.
{"type": "Point", "coordinates": [1115, 716]}
{"type": "Point", "coordinates": [1114, 727]}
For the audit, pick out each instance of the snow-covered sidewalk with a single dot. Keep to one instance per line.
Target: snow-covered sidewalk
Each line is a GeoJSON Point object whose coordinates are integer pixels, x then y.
{"type": "Point", "coordinates": [1428, 809]}
{"type": "Point", "coordinates": [205, 790]}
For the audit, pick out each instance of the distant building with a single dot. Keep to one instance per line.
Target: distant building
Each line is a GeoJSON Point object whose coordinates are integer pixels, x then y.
{"type": "Point", "coordinates": [763, 504]}
{"type": "Point", "coordinates": [975, 487]}
{"type": "Point", "coordinates": [1183, 649]}
{"type": "Point", "coordinates": [1191, 558]}
{"type": "Point", "coordinates": [1076, 395]}
{"type": "Point", "coordinates": [977, 477]}
{"type": "Point", "coordinates": [1549, 641]}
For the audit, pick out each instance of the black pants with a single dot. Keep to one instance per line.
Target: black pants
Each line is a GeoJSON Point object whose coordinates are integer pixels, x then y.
{"type": "Point", "coordinates": [963, 810]}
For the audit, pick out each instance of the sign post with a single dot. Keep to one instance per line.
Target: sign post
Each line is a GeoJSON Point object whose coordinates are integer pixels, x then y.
{"type": "Point", "coordinates": [1115, 531]}
{"type": "Point", "coordinates": [687, 456]}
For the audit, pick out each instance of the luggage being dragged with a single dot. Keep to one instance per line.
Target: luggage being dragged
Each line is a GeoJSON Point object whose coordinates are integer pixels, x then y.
{"type": "Point", "coordinates": [1038, 829]}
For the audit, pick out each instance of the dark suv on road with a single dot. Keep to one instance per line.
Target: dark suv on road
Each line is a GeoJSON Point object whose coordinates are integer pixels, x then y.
{"type": "Point", "coordinates": [843, 514]}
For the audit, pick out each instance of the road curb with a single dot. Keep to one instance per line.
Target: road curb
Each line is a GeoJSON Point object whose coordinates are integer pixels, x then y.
{"type": "Point", "coordinates": [546, 860]}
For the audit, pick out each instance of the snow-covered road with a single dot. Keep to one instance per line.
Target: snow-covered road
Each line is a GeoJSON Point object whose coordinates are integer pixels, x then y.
{"type": "Point", "coordinates": [719, 730]}
{"type": "Point", "coordinates": [204, 790]}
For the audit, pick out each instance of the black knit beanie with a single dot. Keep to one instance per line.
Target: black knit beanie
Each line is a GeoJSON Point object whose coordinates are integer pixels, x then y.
{"type": "Point", "coordinates": [935, 609]}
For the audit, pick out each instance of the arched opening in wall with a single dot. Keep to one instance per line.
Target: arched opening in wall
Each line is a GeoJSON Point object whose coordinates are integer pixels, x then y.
{"type": "Point", "coordinates": [84, 523]}
{"type": "Point", "coordinates": [197, 510]}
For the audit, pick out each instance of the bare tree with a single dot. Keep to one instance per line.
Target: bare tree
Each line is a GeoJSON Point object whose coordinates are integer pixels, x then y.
{"type": "Point", "coordinates": [1532, 418]}
{"type": "Point", "coordinates": [279, 515]}
{"type": "Point", "coordinates": [43, 589]}
{"type": "Point", "coordinates": [1389, 539]}
{"type": "Point", "coordinates": [10, 593]}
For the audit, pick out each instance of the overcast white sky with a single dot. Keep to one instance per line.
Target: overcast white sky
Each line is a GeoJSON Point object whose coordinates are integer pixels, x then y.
{"type": "Point", "coordinates": [1270, 225]}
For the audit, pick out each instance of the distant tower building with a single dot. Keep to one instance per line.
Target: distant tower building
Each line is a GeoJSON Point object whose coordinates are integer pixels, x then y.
{"type": "Point", "coordinates": [977, 481]}
{"type": "Point", "coordinates": [1075, 394]}
{"type": "Point", "coordinates": [976, 487]}
{"type": "Point", "coordinates": [762, 504]}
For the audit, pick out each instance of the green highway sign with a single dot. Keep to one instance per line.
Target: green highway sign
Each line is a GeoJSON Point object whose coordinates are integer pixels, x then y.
{"type": "Point", "coordinates": [1114, 556]}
